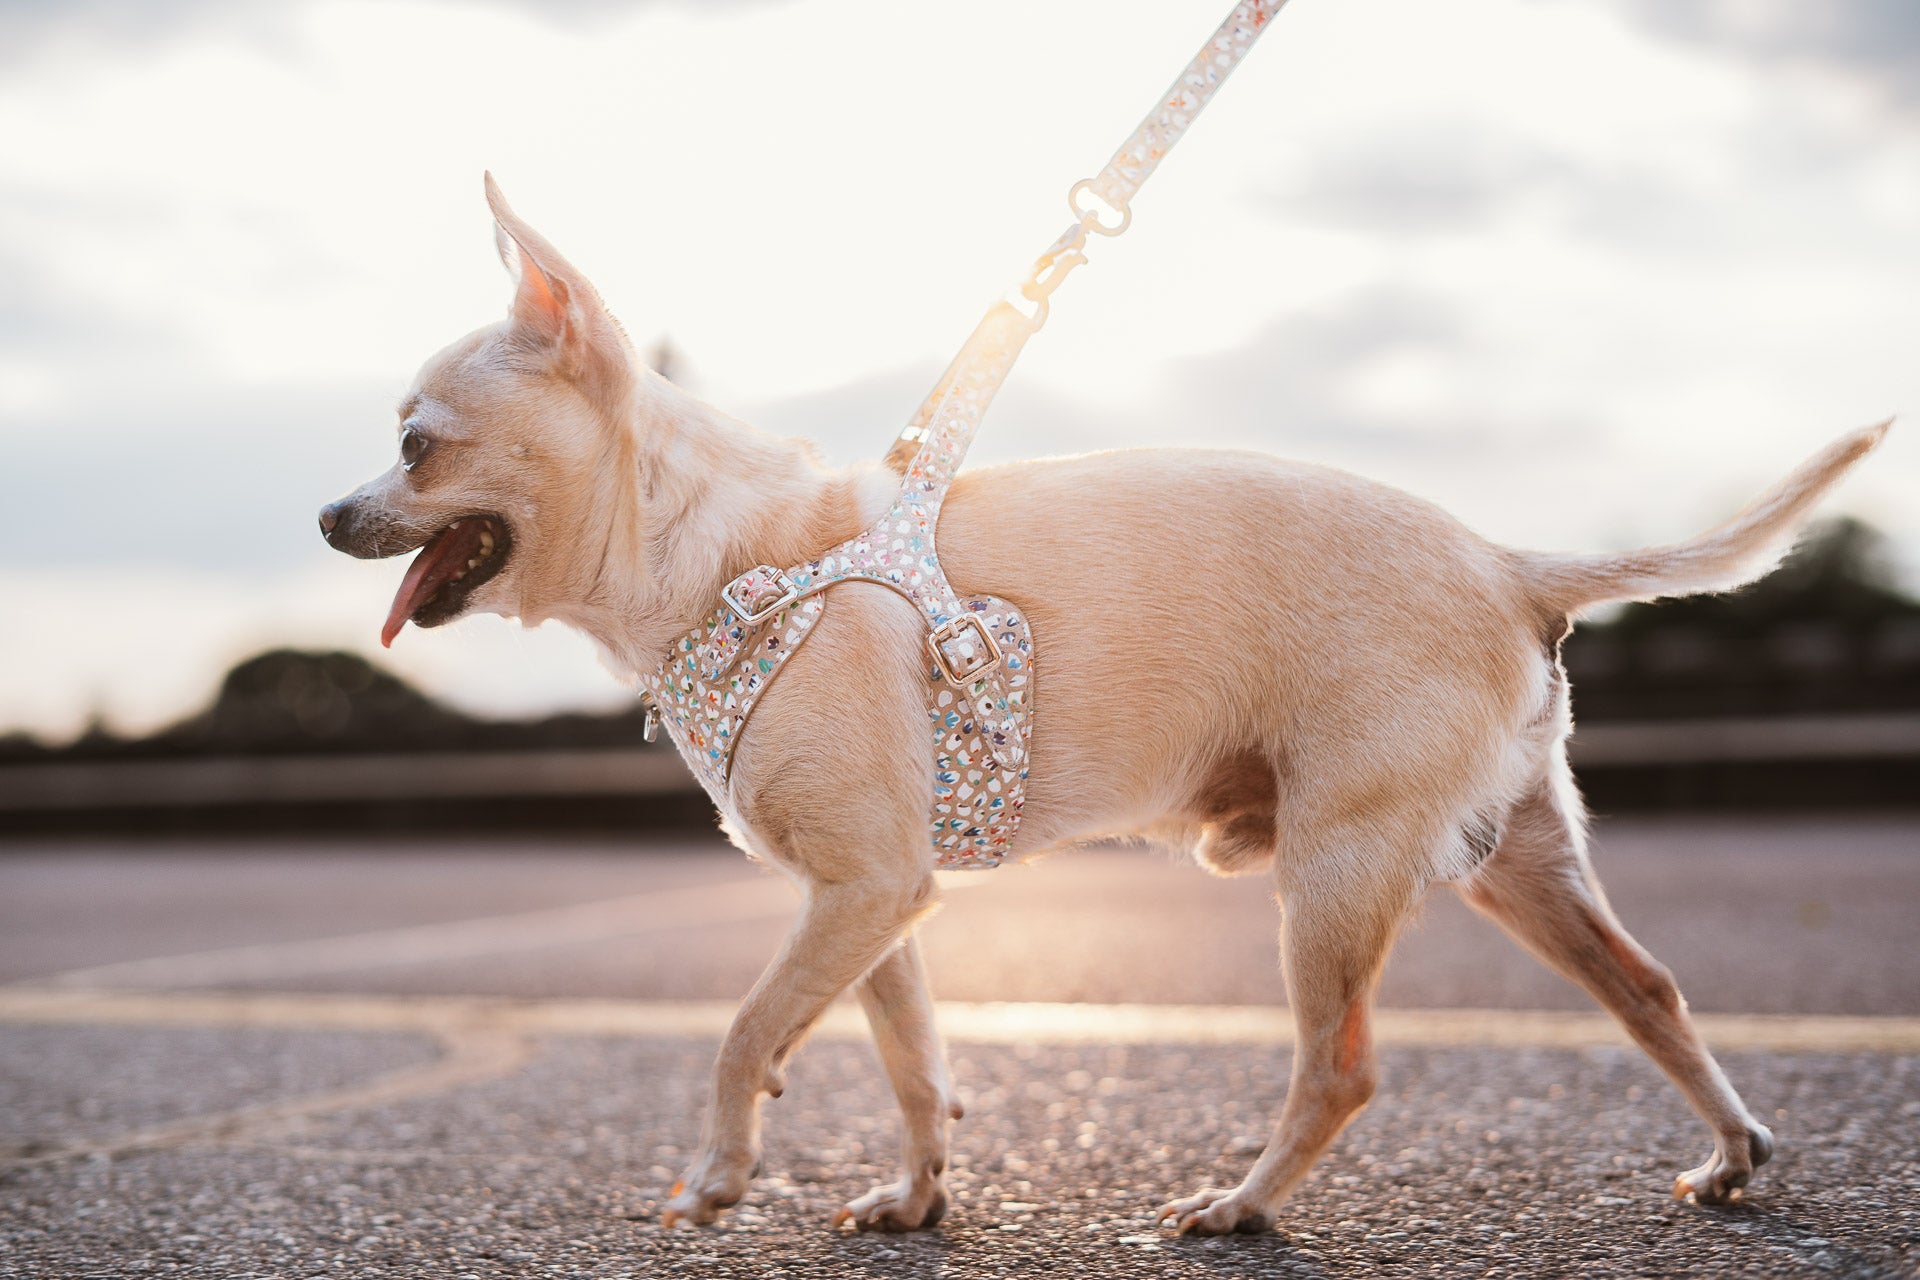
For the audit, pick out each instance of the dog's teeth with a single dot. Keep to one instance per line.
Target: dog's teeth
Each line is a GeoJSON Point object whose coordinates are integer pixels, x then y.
{"type": "Point", "coordinates": [472, 564]}
{"type": "Point", "coordinates": [486, 542]}
{"type": "Point", "coordinates": [454, 525]}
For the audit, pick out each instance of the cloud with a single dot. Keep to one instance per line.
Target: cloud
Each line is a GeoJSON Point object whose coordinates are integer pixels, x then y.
{"type": "Point", "coordinates": [1421, 180]}
{"type": "Point", "coordinates": [1424, 178]}
{"type": "Point", "coordinates": [849, 423]}
{"type": "Point", "coordinates": [1874, 42]}
{"type": "Point", "coordinates": [58, 327]}
{"type": "Point", "coordinates": [1774, 178]}
{"type": "Point", "coordinates": [27, 26]}
{"type": "Point", "coordinates": [1384, 370]}
{"type": "Point", "coordinates": [227, 480]}
{"type": "Point", "coordinates": [213, 476]}
{"type": "Point", "coordinates": [1384, 373]}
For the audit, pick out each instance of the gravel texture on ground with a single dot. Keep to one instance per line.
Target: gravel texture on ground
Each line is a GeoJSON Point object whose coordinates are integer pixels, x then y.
{"type": "Point", "coordinates": [1472, 1162]}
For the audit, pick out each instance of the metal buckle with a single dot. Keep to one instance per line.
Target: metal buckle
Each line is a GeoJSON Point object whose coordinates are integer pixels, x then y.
{"type": "Point", "coordinates": [764, 586]}
{"type": "Point", "coordinates": [968, 667]}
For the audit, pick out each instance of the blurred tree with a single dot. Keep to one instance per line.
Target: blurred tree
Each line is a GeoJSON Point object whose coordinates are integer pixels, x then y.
{"type": "Point", "coordinates": [286, 700]}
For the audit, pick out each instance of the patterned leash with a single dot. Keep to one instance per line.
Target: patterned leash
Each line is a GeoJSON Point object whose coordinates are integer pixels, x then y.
{"type": "Point", "coordinates": [946, 423]}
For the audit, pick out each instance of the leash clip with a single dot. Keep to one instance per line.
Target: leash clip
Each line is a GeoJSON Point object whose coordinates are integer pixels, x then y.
{"type": "Point", "coordinates": [1050, 268]}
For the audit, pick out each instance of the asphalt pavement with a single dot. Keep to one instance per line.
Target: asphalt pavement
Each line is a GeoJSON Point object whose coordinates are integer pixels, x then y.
{"type": "Point", "coordinates": [313, 1059]}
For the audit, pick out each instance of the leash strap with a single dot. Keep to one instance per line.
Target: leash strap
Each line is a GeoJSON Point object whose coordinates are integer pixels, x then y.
{"type": "Point", "coordinates": [947, 421]}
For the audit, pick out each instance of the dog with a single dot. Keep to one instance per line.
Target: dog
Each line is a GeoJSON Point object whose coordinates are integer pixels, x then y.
{"type": "Point", "coordinates": [1324, 680]}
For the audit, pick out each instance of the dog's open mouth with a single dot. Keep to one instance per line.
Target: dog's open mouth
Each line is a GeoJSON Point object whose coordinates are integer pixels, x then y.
{"type": "Point", "coordinates": [455, 560]}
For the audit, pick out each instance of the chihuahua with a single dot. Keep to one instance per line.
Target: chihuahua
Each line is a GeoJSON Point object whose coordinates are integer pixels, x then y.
{"type": "Point", "coordinates": [1331, 683]}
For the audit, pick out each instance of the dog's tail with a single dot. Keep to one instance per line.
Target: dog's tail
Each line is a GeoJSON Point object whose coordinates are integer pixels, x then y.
{"type": "Point", "coordinates": [1744, 548]}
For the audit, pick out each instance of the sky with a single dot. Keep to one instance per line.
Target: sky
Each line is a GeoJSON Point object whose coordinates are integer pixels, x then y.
{"type": "Point", "coordinates": [1589, 273]}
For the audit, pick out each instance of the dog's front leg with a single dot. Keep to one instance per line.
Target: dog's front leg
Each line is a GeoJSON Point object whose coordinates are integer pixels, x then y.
{"type": "Point", "coordinates": [843, 929]}
{"type": "Point", "coordinates": [900, 1011]}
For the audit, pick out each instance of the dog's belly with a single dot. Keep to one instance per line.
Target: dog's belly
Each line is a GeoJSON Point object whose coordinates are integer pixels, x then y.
{"type": "Point", "coordinates": [1197, 611]}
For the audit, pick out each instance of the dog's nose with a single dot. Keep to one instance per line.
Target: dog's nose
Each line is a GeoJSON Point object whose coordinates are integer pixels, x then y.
{"type": "Point", "coordinates": [330, 519]}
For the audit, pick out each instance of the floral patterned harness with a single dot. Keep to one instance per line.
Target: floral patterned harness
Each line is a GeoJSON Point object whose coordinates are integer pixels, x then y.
{"type": "Point", "coordinates": [979, 649]}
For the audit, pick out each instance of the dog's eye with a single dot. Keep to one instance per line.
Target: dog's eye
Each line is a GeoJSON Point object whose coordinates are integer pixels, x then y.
{"type": "Point", "coordinates": [413, 446]}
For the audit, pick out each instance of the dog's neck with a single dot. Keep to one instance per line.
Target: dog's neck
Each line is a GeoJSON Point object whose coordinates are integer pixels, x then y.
{"type": "Point", "coordinates": [705, 498]}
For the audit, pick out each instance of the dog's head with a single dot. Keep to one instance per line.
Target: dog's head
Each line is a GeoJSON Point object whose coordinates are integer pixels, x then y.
{"type": "Point", "coordinates": [511, 445]}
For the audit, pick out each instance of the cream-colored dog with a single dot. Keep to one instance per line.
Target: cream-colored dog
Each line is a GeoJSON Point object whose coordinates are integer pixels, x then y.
{"type": "Point", "coordinates": [1320, 679]}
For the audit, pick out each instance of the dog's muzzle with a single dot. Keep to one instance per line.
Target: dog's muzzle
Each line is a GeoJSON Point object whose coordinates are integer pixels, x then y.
{"type": "Point", "coordinates": [346, 527]}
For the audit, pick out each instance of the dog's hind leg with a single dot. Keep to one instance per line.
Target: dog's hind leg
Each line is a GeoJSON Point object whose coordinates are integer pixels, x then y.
{"type": "Point", "coordinates": [1540, 888]}
{"type": "Point", "coordinates": [900, 1011]}
{"type": "Point", "coordinates": [844, 929]}
{"type": "Point", "coordinates": [1339, 919]}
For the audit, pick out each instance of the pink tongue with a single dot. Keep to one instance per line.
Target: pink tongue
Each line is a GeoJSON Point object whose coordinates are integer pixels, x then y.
{"type": "Point", "coordinates": [429, 570]}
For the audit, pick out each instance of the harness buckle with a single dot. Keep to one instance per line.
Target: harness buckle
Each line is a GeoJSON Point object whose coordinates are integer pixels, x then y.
{"type": "Point", "coordinates": [759, 593]}
{"type": "Point", "coordinates": [963, 649]}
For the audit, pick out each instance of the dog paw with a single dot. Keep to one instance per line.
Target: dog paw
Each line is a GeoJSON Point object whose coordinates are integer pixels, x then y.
{"type": "Point", "coordinates": [712, 1184]}
{"type": "Point", "coordinates": [906, 1205]}
{"type": "Point", "coordinates": [1731, 1167]}
{"type": "Point", "coordinates": [1215, 1213]}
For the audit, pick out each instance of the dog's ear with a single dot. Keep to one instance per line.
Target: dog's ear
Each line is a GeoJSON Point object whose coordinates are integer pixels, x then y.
{"type": "Point", "coordinates": [553, 304]}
